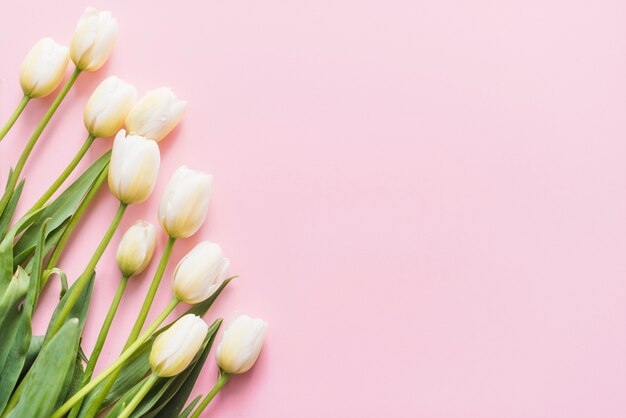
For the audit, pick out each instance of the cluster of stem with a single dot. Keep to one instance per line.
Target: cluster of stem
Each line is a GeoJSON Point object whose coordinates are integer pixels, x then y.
{"type": "Point", "coordinates": [135, 338]}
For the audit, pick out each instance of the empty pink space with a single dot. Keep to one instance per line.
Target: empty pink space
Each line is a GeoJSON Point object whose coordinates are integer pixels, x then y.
{"type": "Point", "coordinates": [426, 200]}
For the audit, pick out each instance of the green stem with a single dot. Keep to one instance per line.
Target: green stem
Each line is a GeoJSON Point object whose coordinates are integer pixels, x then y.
{"type": "Point", "coordinates": [126, 354]}
{"type": "Point", "coordinates": [58, 249]}
{"type": "Point", "coordinates": [132, 405]}
{"type": "Point", "coordinates": [97, 349]}
{"type": "Point", "coordinates": [139, 323]}
{"type": "Point", "coordinates": [64, 175]}
{"type": "Point", "coordinates": [18, 111]}
{"type": "Point", "coordinates": [154, 286]}
{"type": "Point", "coordinates": [221, 381]}
{"type": "Point", "coordinates": [82, 281]}
{"type": "Point", "coordinates": [33, 139]}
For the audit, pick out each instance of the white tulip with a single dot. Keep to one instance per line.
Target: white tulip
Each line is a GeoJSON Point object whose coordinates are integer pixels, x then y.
{"type": "Point", "coordinates": [185, 202]}
{"type": "Point", "coordinates": [108, 106]}
{"type": "Point", "coordinates": [156, 114]}
{"type": "Point", "coordinates": [43, 68]}
{"type": "Point", "coordinates": [133, 168]}
{"type": "Point", "coordinates": [136, 248]}
{"type": "Point", "coordinates": [241, 344]}
{"type": "Point", "coordinates": [200, 273]}
{"type": "Point", "coordinates": [174, 349]}
{"type": "Point", "coordinates": [93, 39]}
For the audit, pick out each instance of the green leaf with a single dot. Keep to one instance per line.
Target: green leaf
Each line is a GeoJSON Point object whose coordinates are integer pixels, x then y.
{"type": "Point", "coordinates": [190, 407]}
{"type": "Point", "coordinates": [62, 208]}
{"type": "Point", "coordinates": [73, 384]}
{"type": "Point", "coordinates": [125, 399]}
{"type": "Point", "coordinates": [137, 366]}
{"type": "Point", "coordinates": [165, 388]}
{"type": "Point", "coordinates": [6, 261]}
{"type": "Point", "coordinates": [132, 373]}
{"type": "Point", "coordinates": [36, 343]}
{"type": "Point", "coordinates": [157, 392]}
{"type": "Point", "coordinates": [62, 279]}
{"type": "Point", "coordinates": [13, 369]}
{"type": "Point", "coordinates": [172, 402]}
{"type": "Point", "coordinates": [10, 313]}
{"type": "Point", "coordinates": [44, 381]}
{"type": "Point", "coordinates": [5, 219]}
{"type": "Point", "coordinates": [16, 364]}
{"type": "Point", "coordinates": [80, 309]}
{"type": "Point", "coordinates": [37, 266]}
{"type": "Point", "coordinates": [51, 239]}
{"type": "Point", "coordinates": [6, 249]}
{"type": "Point", "coordinates": [10, 195]}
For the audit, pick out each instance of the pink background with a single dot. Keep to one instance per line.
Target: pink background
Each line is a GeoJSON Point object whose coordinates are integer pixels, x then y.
{"type": "Point", "coordinates": [426, 200]}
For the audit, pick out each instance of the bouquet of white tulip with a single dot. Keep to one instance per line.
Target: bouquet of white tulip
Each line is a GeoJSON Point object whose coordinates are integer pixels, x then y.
{"type": "Point", "coordinates": [49, 376]}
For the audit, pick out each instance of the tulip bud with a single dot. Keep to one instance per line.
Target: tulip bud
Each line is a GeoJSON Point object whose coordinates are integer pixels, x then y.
{"type": "Point", "coordinates": [93, 39]}
{"type": "Point", "coordinates": [185, 202]}
{"type": "Point", "coordinates": [241, 344]}
{"type": "Point", "coordinates": [133, 168]}
{"type": "Point", "coordinates": [200, 273]}
{"type": "Point", "coordinates": [156, 114]}
{"type": "Point", "coordinates": [174, 349]}
{"type": "Point", "coordinates": [108, 106]}
{"type": "Point", "coordinates": [136, 248]}
{"type": "Point", "coordinates": [43, 68]}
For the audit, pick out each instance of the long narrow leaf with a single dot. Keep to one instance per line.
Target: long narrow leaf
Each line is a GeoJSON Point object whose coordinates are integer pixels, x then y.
{"type": "Point", "coordinates": [137, 367]}
{"type": "Point", "coordinates": [5, 219]}
{"type": "Point", "coordinates": [165, 388]}
{"type": "Point", "coordinates": [190, 407]}
{"type": "Point", "coordinates": [36, 343]}
{"type": "Point", "coordinates": [80, 308]}
{"type": "Point", "coordinates": [171, 403]}
{"type": "Point", "coordinates": [42, 384]}
{"type": "Point", "coordinates": [6, 248]}
{"type": "Point", "coordinates": [51, 239]}
{"type": "Point", "coordinates": [10, 313]}
{"type": "Point", "coordinates": [72, 382]}
{"type": "Point", "coordinates": [20, 344]}
{"type": "Point", "coordinates": [125, 399]}
{"type": "Point", "coordinates": [132, 373]}
{"type": "Point", "coordinates": [62, 207]}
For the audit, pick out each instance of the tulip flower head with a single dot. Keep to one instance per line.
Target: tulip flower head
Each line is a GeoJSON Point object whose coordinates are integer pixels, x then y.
{"type": "Point", "coordinates": [156, 114]}
{"type": "Point", "coordinates": [185, 202]}
{"type": "Point", "coordinates": [241, 344]}
{"type": "Point", "coordinates": [93, 39]}
{"type": "Point", "coordinates": [136, 248]}
{"type": "Point", "coordinates": [43, 68]}
{"type": "Point", "coordinates": [108, 106]}
{"type": "Point", "coordinates": [200, 273]}
{"type": "Point", "coordinates": [134, 167]}
{"type": "Point", "coordinates": [174, 349]}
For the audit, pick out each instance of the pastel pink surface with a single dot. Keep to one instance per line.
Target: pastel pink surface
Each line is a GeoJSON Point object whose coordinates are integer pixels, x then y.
{"type": "Point", "coordinates": [425, 200]}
